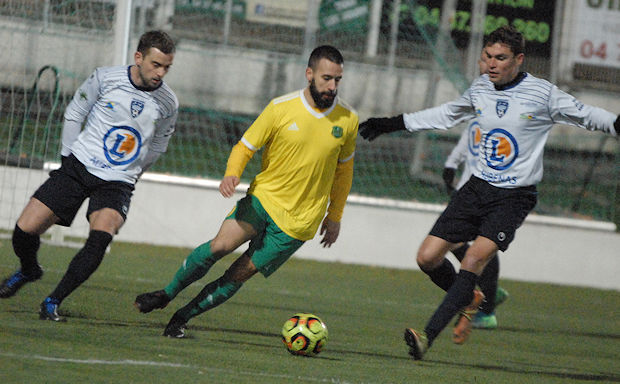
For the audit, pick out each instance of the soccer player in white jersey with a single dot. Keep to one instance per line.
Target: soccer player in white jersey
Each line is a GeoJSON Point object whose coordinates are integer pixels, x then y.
{"type": "Point", "coordinates": [466, 152]}
{"type": "Point", "coordinates": [515, 111]}
{"type": "Point", "coordinates": [128, 115]}
{"type": "Point", "coordinates": [309, 141]}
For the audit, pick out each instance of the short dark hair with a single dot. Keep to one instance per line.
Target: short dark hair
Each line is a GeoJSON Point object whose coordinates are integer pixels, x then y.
{"type": "Point", "coordinates": [156, 39]}
{"type": "Point", "coordinates": [507, 35]}
{"type": "Point", "coordinates": [324, 52]}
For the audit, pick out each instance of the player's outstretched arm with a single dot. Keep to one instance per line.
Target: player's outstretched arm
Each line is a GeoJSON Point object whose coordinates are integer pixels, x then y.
{"type": "Point", "coordinates": [375, 126]}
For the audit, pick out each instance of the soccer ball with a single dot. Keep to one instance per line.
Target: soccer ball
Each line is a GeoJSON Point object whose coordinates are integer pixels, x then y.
{"type": "Point", "coordinates": [304, 334]}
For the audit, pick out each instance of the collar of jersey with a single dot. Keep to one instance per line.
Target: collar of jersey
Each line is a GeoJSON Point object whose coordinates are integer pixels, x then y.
{"type": "Point", "coordinates": [513, 83]}
{"type": "Point", "coordinates": [313, 111]}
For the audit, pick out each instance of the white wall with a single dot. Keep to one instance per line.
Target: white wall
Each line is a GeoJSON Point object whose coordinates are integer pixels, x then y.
{"type": "Point", "coordinates": [562, 251]}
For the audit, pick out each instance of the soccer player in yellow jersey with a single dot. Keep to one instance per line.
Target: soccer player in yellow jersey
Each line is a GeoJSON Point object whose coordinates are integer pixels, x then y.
{"type": "Point", "coordinates": [307, 170]}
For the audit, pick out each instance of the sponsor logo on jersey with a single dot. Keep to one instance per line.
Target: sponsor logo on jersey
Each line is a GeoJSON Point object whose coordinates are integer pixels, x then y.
{"type": "Point", "coordinates": [501, 149]}
{"type": "Point", "coordinates": [337, 131]}
{"type": "Point", "coordinates": [474, 138]}
{"type": "Point", "coordinates": [293, 127]}
{"type": "Point", "coordinates": [83, 95]}
{"type": "Point", "coordinates": [109, 105]}
{"type": "Point", "coordinates": [121, 145]}
{"type": "Point", "coordinates": [527, 116]}
{"type": "Point", "coordinates": [137, 107]}
{"type": "Point", "coordinates": [501, 107]}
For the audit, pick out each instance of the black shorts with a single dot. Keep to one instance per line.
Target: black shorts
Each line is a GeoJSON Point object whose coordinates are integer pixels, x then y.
{"type": "Point", "coordinates": [67, 188]}
{"type": "Point", "coordinates": [480, 209]}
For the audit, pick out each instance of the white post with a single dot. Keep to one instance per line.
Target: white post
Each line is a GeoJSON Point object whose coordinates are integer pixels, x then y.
{"type": "Point", "coordinates": [163, 15]}
{"type": "Point", "coordinates": [373, 28]}
{"type": "Point", "coordinates": [46, 14]}
{"type": "Point", "coordinates": [227, 20]}
{"type": "Point", "coordinates": [447, 14]}
{"type": "Point", "coordinates": [478, 14]}
{"type": "Point", "coordinates": [555, 41]}
{"type": "Point", "coordinates": [312, 25]}
{"type": "Point", "coordinates": [122, 22]}
{"type": "Point", "coordinates": [395, 20]}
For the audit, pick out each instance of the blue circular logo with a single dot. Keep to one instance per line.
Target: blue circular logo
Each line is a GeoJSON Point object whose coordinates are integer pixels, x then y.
{"type": "Point", "coordinates": [501, 149]}
{"type": "Point", "coordinates": [121, 145]}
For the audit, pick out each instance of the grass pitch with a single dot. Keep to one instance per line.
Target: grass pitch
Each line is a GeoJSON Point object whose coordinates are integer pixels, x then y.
{"type": "Point", "coordinates": [547, 333]}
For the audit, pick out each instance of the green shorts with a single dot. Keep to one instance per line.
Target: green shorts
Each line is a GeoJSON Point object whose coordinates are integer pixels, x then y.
{"type": "Point", "coordinates": [271, 247]}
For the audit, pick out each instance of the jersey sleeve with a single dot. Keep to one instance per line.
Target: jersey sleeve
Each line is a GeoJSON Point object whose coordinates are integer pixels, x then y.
{"type": "Point", "coordinates": [78, 109]}
{"type": "Point", "coordinates": [444, 116]}
{"type": "Point", "coordinates": [84, 98]}
{"type": "Point", "coordinates": [459, 153]}
{"type": "Point", "coordinates": [566, 109]}
{"type": "Point", "coordinates": [262, 129]}
{"type": "Point", "coordinates": [348, 149]}
{"type": "Point", "coordinates": [164, 128]}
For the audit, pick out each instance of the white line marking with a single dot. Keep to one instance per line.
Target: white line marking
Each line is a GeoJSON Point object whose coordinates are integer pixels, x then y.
{"type": "Point", "coordinates": [165, 364]}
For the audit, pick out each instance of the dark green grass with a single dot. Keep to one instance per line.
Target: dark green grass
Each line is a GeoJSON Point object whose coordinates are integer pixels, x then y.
{"type": "Point", "coordinates": [547, 334]}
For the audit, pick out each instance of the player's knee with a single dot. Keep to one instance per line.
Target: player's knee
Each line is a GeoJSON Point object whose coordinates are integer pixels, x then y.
{"type": "Point", "coordinates": [97, 242]}
{"type": "Point", "coordinates": [221, 246]}
{"type": "Point", "coordinates": [427, 259]}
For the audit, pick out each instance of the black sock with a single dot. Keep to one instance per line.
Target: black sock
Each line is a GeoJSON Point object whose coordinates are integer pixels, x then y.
{"type": "Point", "coordinates": [443, 276]}
{"type": "Point", "coordinates": [459, 253]}
{"type": "Point", "coordinates": [488, 284]}
{"type": "Point", "coordinates": [458, 296]}
{"type": "Point", "coordinates": [84, 263]}
{"type": "Point", "coordinates": [25, 246]}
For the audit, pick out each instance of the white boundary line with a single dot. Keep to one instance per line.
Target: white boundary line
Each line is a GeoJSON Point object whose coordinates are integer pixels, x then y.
{"type": "Point", "coordinates": [165, 364]}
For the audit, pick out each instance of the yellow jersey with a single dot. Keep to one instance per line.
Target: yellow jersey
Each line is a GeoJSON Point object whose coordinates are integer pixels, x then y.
{"type": "Point", "coordinates": [302, 147]}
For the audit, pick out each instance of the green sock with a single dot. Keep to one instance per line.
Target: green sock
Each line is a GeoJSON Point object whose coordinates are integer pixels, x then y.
{"type": "Point", "coordinates": [195, 266]}
{"type": "Point", "coordinates": [214, 294]}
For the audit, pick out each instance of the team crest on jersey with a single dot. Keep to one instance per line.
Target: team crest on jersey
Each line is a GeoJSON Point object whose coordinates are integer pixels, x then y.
{"type": "Point", "coordinates": [501, 107]}
{"type": "Point", "coordinates": [136, 107]}
{"type": "Point", "coordinates": [121, 145]}
{"type": "Point", "coordinates": [501, 149]}
{"type": "Point", "coordinates": [337, 131]}
{"type": "Point", "coordinates": [474, 138]}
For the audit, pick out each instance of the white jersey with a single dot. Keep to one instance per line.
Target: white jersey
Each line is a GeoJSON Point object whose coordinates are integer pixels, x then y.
{"type": "Point", "coordinates": [514, 124]}
{"type": "Point", "coordinates": [125, 128]}
{"type": "Point", "coordinates": [465, 152]}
